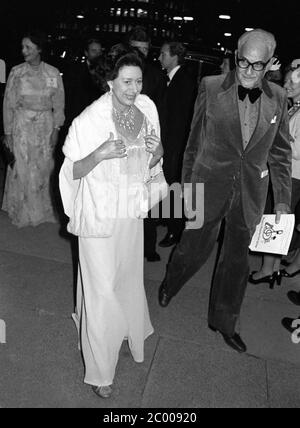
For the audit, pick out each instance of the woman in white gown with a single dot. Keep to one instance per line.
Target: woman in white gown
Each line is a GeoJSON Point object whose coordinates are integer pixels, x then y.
{"type": "Point", "coordinates": [111, 148]}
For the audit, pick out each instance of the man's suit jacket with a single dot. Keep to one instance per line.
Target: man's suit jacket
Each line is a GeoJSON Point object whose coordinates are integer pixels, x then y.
{"type": "Point", "coordinates": [81, 90]}
{"type": "Point", "coordinates": [154, 84]}
{"type": "Point", "coordinates": [216, 157]}
{"type": "Point", "coordinates": [176, 117]}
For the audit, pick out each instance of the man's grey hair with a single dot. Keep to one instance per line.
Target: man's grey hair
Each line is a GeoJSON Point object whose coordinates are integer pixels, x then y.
{"type": "Point", "coordinates": [261, 37]}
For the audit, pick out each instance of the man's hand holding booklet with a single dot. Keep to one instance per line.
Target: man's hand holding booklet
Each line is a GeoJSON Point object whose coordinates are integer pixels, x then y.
{"type": "Point", "coordinates": [270, 237]}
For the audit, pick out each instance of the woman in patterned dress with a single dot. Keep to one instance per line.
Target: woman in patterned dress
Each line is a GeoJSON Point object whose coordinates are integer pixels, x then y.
{"type": "Point", "coordinates": [33, 113]}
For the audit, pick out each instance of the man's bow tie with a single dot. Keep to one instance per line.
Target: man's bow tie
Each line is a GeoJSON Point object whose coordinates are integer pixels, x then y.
{"type": "Point", "coordinates": [253, 94]}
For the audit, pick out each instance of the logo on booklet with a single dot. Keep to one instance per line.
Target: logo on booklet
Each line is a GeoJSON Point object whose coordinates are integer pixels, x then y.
{"type": "Point", "coordinates": [296, 333]}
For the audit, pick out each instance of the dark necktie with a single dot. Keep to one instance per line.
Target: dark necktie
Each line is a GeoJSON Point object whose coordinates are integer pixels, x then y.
{"type": "Point", "coordinates": [253, 94]}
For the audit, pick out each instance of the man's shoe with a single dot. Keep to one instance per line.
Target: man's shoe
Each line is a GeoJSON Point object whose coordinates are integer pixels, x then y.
{"type": "Point", "coordinates": [153, 257]}
{"type": "Point", "coordinates": [287, 324]}
{"type": "Point", "coordinates": [169, 240]}
{"type": "Point", "coordinates": [235, 342]}
{"type": "Point", "coordinates": [294, 297]}
{"type": "Point", "coordinates": [163, 298]}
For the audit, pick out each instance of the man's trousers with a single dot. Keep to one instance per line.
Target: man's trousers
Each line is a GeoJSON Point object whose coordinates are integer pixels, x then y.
{"type": "Point", "coordinates": [230, 280]}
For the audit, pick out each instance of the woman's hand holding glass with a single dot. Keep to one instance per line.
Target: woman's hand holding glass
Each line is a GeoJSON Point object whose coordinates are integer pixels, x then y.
{"type": "Point", "coordinates": [154, 146]}
{"type": "Point", "coordinates": [111, 149]}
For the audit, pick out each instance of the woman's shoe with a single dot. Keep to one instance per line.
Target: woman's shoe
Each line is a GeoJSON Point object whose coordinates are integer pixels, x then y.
{"type": "Point", "coordinates": [288, 324]}
{"type": "Point", "coordinates": [102, 391]}
{"type": "Point", "coordinates": [294, 297]}
{"type": "Point", "coordinates": [269, 279]}
{"type": "Point", "coordinates": [284, 273]}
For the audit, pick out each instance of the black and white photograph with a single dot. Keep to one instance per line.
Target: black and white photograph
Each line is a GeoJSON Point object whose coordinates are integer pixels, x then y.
{"type": "Point", "coordinates": [143, 145]}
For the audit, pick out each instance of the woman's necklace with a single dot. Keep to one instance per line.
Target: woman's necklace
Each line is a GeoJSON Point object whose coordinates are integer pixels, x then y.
{"type": "Point", "coordinates": [294, 108]}
{"type": "Point", "coordinates": [125, 120]}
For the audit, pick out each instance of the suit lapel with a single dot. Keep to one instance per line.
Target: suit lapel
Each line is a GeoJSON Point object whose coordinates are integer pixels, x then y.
{"type": "Point", "coordinates": [267, 112]}
{"type": "Point", "coordinates": [227, 100]}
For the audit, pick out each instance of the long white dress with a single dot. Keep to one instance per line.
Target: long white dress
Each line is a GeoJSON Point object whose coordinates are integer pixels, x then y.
{"type": "Point", "coordinates": [111, 300]}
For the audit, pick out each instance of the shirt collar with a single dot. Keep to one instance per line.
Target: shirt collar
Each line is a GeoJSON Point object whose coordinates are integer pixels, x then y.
{"type": "Point", "coordinates": [173, 72]}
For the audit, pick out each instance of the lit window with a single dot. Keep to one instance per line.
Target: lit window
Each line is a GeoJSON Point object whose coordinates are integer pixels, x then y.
{"type": "Point", "coordinates": [141, 13]}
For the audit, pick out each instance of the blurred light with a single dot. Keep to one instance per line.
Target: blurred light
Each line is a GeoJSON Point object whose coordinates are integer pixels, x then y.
{"type": "Point", "coordinates": [227, 34]}
{"type": "Point", "coordinates": [223, 49]}
{"type": "Point", "coordinates": [188, 18]}
{"type": "Point", "coordinates": [63, 54]}
{"type": "Point", "coordinates": [224, 16]}
{"type": "Point", "coordinates": [249, 29]}
{"type": "Point", "coordinates": [80, 16]}
{"type": "Point", "coordinates": [218, 44]}
{"type": "Point", "coordinates": [177, 18]}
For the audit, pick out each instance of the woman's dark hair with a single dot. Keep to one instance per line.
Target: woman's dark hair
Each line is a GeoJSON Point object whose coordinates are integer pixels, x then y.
{"type": "Point", "coordinates": [119, 56]}
{"type": "Point", "coordinates": [37, 37]}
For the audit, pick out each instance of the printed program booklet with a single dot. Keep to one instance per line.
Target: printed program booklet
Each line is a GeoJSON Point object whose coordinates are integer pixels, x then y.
{"type": "Point", "coordinates": [270, 237]}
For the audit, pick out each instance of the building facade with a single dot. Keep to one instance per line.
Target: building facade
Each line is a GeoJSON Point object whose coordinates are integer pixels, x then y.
{"type": "Point", "coordinates": [110, 19]}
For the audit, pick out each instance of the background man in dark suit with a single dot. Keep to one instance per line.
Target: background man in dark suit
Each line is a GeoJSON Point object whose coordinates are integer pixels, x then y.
{"type": "Point", "coordinates": [154, 84]}
{"type": "Point", "coordinates": [81, 84]}
{"type": "Point", "coordinates": [239, 133]}
{"type": "Point", "coordinates": [176, 116]}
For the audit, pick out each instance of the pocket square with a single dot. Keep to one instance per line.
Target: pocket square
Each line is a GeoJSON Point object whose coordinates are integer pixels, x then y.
{"type": "Point", "coordinates": [264, 174]}
{"type": "Point", "coordinates": [274, 120]}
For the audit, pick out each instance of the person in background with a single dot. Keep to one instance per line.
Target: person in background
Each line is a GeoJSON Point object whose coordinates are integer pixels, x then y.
{"type": "Point", "coordinates": [112, 148]}
{"type": "Point", "coordinates": [177, 112]}
{"type": "Point", "coordinates": [33, 113]}
{"type": "Point", "coordinates": [154, 80]}
{"type": "Point", "coordinates": [154, 84]}
{"type": "Point", "coordinates": [81, 81]}
{"type": "Point", "coordinates": [270, 271]}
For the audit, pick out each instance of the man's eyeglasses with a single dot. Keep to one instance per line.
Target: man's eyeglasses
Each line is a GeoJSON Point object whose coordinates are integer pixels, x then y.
{"type": "Point", "coordinates": [257, 66]}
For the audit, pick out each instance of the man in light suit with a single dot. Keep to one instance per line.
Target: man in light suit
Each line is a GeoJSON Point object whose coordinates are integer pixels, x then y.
{"type": "Point", "coordinates": [239, 134]}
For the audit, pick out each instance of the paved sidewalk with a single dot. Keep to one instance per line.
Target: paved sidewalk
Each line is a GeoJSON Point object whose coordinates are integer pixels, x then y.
{"type": "Point", "coordinates": [186, 365]}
